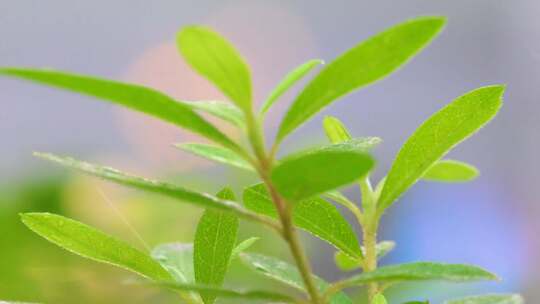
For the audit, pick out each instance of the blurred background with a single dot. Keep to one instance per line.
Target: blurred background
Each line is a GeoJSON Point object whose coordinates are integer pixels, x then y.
{"type": "Point", "coordinates": [492, 221]}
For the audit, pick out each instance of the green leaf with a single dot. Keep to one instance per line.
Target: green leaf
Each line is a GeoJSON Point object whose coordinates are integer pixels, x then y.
{"type": "Point", "coordinates": [451, 171]}
{"type": "Point", "coordinates": [315, 171]}
{"type": "Point", "coordinates": [365, 63]}
{"type": "Point", "coordinates": [93, 244]}
{"type": "Point", "coordinates": [348, 263]}
{"type": "Point", "coordinates": [214, 242]}
{"type": "Point", "coordinates": [379, 299]}
{"type": "Point", "coordinates": [177, 259]}
{"type": "Point", "coordinates": [422, 271]}
{"type": "Point", "coordinates": [231, 294]}
{"type": "Point", "coordinates": [490, 299]}
{"type": "Point", "coordinates": [438, 135]}
{"type": "Point", "coordinates": [335, 130]}
{"type": "Point", "coordinates": [217, 154]}
{"type": "Point", "coordinates": [163, 188]}
{"type": "Point", "coordinates": [288, 274]}
{"type": "Point", "coordinates": [220, 109]}
{"type": "Point", "coordinates": [290, 79]}
{"type": "Point", "coordinates": [138, 98]}
{"type": "Point", "coordinates": [218, 61]}
{"type": "Point", "coordinates": [243, 246]}
{"type": "Point", "coordinates": [314, 215]}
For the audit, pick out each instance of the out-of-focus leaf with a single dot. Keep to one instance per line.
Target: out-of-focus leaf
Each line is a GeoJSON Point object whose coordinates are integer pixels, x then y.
{"type": "Point", "coordinates": [379, 299]}
{"type": "Point", "coordinates": [315, 171]}
{"type": "Point", "coordinates": [314, 215]}
{"type": "Point", "coordinates": [288, 274]}
{"type": "Point", "coordinates": [490, 299]}
{"type": "Point", "coordinates": [422, 271]}
{"type": "Point", "coordinates": [217, 154]}
{"type": "Point", "coordinates": [135, 97]}
{"type": "Point", "coordinates": [243, 246]}
{"type": "Point", "coordinates": [451, 171]}
{"type": "Point", "coordinates": [93, 244]}
{"type": "Point", "coordinates": [220, 109]}
{"type": "Point", "coordinates": [215, 239]}
{"type": "Point", "coordinates": [290, 79]}
{"type": "Point", "coordinates": [231, 294]}
{"type": "Point", "coordinates": [335, 130]}
{"type": "Point", "coordinates": [170, 190]}
{"type": "Point", "coordinates": [438, 135]}
{"type": "Point", "coordinates": [365, 63]}
{"type": "Point", "coordinates": [346, 263]}
{"type": "Point", "coordinates": [217, 60]}
{"type": "Point", "coordinates": [177, 259]}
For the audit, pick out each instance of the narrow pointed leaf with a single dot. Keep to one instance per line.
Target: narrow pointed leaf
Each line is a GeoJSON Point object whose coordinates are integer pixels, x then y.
{"type": "Point", "coordinates": [218, 61]}
{"type": "Point", "coordinates": [451, 171]}
{"type": "Point", "coordinates": [364, 64]}
{"type": "Point", "coordinates": [315, 171]}
{"type": "Point", "coordinates": [490, 299]}
{"type": "Point", "coordinates": [220, 109]}
{"type": "Point", "coordinates": [215, 239]}
{"type": "Point", "coordinates": [231, 294]}
{"type": "Point", "coordinates": [290, 79]}
{"type": "Point", "coordinates": [135, 97]}
{"type": "Point", "coordinates": [163, 188]}
{"type": "Point", "coordinates": [423, 271]}
{"type": "Point", "coordinates": [288, 274]}
{"type": "Point", "coordinates": [243, 246]}
{"type": "Point", "coordinates": [93, 244]}
{"type": "Point", "coordinates": [335, 130]}
{"type": "Point", "coordinates": [217, 154]}
{"type": "Point", "coordinates": [314, 215]}
{"type": "Point", "coordinates": [177, 259]}
{"type": "Point", "coordinates": [438, 135]}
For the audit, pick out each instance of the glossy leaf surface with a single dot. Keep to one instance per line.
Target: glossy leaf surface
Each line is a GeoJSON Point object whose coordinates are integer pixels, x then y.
{"type": "Point", "coordinates": [438, 135]}
{"type": "Point", "coordinates": [365, 63]}
{"type": "Point", "coordinates": [217, 60]}
{"type": "Point", "coordinates": [215, 239]}
{"type": "Point", "coordinates": [135, 97]}
{"type": "Point", "coordinates": [217, 154]}
{"type": "Point", "coordinates": [93, 244]}
{"type": "Point", "coordinates": [315, 171]}
{"type": "Point", "coordinates": [451, 171]}
{"type": "Point", "coordinates": [314, 215]}
{"type": "Point", "coordinates": [188, 196]}
{"type": "Point", "coordinates": [290, 79]}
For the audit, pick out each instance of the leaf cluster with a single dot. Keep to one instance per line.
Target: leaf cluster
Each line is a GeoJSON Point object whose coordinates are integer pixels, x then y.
{"type": "Point", "coordinates": [298, 191]}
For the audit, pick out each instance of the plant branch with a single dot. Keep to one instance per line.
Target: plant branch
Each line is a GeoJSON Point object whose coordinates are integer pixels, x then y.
{"type": "Point", "coordinates": [288, 231]}
{"type": "Point", "coordinates": [291, 237]}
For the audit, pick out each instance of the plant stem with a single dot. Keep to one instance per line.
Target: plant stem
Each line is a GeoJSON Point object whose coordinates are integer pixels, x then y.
{"type": "Point", "coordinates": [288, 231]}
{"type": "Point", "coordinates": [370, 258]}
{"type": "Point", "coordinates": [291, 237]}
{"type": "Point", "coordinates": [370, 225]}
